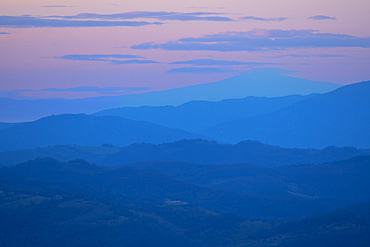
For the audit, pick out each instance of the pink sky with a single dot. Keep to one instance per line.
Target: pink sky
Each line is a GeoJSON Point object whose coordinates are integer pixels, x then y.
{"type": "Point", "coordinates": [325, 40]}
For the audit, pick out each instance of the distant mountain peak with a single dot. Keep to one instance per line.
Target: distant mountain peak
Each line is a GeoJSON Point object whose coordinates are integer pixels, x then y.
{"type": "Point", "coordinates": [340, 117]}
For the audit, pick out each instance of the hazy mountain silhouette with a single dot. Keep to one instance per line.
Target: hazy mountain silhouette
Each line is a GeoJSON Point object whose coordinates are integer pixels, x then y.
{"type": "Point", "coordinates": [258, 82]}
{"type": "Point", "coordinates": [92, 154]}
{"type": "Point", "coordinates": [196, 115]}
{"type": "Point", "coordinates": [263, 82]}
{"type": "Point", "coordinates": [85, 130]}
{"type": "Point", "coordinates": [205, 152]}
{"type": "Point", "coordinates": [339, 118]}
{"type": "Point", "coordinates": [195, 151]}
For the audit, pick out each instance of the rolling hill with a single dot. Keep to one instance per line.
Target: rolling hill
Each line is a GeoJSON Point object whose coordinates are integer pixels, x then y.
{"type": "Point", "coordinates": [85, 130]}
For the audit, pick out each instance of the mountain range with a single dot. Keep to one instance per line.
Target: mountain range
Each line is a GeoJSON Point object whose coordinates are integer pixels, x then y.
{"type": "Point", "coordinates": [338, 118]}
{"type": "Point", "coordinates": [259, 159]}
{"type": "Point", "coordinates": [258, 83]}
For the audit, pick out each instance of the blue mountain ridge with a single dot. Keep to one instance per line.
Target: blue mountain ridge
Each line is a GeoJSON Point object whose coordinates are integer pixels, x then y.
{"type": "Point", "coordinates": [196, 115]}
{"type": "Point", "coordinates": [339, 118]}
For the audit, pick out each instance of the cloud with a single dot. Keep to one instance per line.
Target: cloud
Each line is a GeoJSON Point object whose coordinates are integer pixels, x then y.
{"type": "Point", "coordinates": [94, 57]}
{"type": "Point", "coordinates": [56, 6]}
{"type": "Point", "coordinates": [264, 19]}
{"type": "Point", "coordinates": [89, 89]}
{"type": "Point", "coordinates": [37, 22]}
{"type": "Point", "coordinates": [261, 40]}
{"type": "Point", "coordinates": [8, 94]}
{"type": "Point", "coordinates": [308, 55]}
{"type": "Point", "coordinates": [329, 55]}
{"type": "Point", "coordinates": [321, 17]}
{"type": "Point", "coordinates": [204, 7]}
{"type": "Point", "coordinates": [162, 16]}
{"type": "Point", "coordinates": [212, 62]}
{"type": "Point", "coordinates": [196, 70]}
{"type": "Point", "coordinates": [132, 61]}
{"type": "Point", "coordinates": [4, 33]}
{"type": "Point", "coordinates": [105, 58]}
{"type": "Point", "coordinates": [195, 16]}
{"type": "Point", "coordinates": [100, 20]}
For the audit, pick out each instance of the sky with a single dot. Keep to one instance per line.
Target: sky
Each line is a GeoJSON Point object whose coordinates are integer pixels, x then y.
{"type": "Point", "coordinates": [87, 48]}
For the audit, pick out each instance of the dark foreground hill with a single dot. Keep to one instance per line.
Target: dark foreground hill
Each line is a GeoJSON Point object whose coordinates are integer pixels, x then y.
{"type": "Point", "coordinates": [129, 185]}
{"type": "Point", "coordinates": [48, 203]}
{"type": "Point", "coordinates": [196, 115]}
{"type": "Point", "coordinates": [245, 190]}
{"type": "Point", "coordinates": [85, 130]}
{"type": "Point", "coordinates": [74, 220]}
{"type": "Point", "coordinates": [334, 183]}
{"type": "Point", "coordinates": [338, 118]}
{"type": "Point", "coordinates": [339, 228]}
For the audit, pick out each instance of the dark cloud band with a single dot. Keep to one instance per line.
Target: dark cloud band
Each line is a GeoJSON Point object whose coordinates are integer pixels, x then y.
{"type": "Point", "coordinates": [260, 40]}
{"type": "Point", "coordinates": [213, 62]}
{"type": "Point", "coordinates": [92, 89]}
{"type": "Point", "coordinates": [321, 17]}
{"type": "Point", "coordinates": [161, 16]}
{"type": "Point", "coordinates": [264, 19]}
{"type": "Point", "coordinates": [107, 58]}
{"type": "Point", "coordinates": [94, 57]}
{"type": "Point", "coordinates": [55, 6]}
{"type": "Point", "coordinates": [196, 70]}
{"type": "Point", "coordinates": [37, 22]}
{"type": "Point", "coordinates": [308, 55]}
